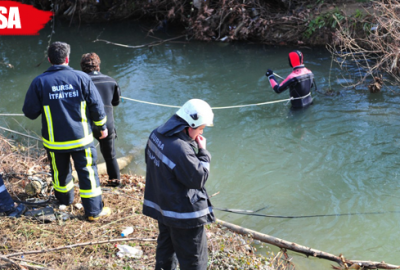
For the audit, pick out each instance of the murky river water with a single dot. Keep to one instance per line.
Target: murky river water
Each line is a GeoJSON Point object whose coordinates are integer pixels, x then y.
{"type": "Point", "coordinates": [339, 156]}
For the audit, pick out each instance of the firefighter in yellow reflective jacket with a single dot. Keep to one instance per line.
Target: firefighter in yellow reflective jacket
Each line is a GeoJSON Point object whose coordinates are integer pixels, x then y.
{"type": "Point", "coordinates": [68, 101]}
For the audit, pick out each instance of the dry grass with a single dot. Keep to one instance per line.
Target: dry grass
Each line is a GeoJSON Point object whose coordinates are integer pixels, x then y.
{"type": "Point", "coordinates": [369, 42]}
{"type": "Point", "coordinates": [27, 243]}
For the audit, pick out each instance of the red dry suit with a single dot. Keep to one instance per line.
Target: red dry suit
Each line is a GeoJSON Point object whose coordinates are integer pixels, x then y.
{"type": "Point", "coordinates": [300, 82]}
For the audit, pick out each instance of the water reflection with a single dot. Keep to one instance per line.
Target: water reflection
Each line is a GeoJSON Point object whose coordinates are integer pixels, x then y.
{"type": "Point", "coordinates": [337, 156]}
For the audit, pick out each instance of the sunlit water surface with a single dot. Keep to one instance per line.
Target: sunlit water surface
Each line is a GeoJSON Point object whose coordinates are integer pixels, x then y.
{"type": "Point", "coordinates": [339, 156]}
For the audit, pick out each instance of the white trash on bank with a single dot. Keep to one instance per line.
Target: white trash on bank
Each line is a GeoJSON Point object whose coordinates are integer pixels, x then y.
{"type": "Point", "coordinates": [128, 251]}
{"type": "Point", "coordinates": [127, 231]}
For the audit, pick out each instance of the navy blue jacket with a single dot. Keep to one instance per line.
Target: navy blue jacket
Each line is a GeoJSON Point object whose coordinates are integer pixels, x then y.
{"type": "Point", "coordinates": [68, 102]}
{"type": "Point", "coordinates": [176, 174]}
{"type": "Point", "coordinates": [110, 94]}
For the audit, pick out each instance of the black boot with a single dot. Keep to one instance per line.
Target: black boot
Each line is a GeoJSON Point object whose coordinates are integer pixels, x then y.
{"type": "Point", "coordinates": [16, 211]}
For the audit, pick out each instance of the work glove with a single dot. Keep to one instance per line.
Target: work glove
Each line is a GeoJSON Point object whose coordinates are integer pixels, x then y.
{"type": "Point", "coordinates": [269, 73]}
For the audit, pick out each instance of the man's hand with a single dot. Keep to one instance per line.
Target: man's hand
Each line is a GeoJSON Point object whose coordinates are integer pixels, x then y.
{"type": "Point", "coordinates": [201, 142]}
{"type": "Point", "coordinates": [104, 134]}
{"type": "Point", "coordinates": [269, 73]}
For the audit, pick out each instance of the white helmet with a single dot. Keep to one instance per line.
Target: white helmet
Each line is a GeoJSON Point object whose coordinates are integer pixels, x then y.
{"type": "Point", "coordinates": [196, 112]}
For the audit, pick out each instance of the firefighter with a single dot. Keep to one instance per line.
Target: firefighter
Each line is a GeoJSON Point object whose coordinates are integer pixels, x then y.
{"type": "Point", "coordinates": [177, 168]}
{"type": "Point", "coordinates": [299, 82]}
{"type": "Point", "coordinates": [68, 102]}
{"type": "Point", "coordinates": [110, 94]}
{"type": "Point", "coordinates": [7, 205]}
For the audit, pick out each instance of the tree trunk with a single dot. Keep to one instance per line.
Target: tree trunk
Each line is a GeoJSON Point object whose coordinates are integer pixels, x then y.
{"type": "Point", "coordinates": [356, 264]}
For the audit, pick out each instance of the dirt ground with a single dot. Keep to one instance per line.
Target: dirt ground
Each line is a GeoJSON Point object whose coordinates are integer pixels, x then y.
{"type": "Point", "coordinates": [65, 240]}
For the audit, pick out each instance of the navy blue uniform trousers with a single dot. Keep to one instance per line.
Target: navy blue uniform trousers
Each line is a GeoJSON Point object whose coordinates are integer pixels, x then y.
{"type": "Point", "coordinates": [190, 246]}
{"type": "Point", "coordinates": [89, 183]}
{"type": "Point", "coordinates": [107, 148]}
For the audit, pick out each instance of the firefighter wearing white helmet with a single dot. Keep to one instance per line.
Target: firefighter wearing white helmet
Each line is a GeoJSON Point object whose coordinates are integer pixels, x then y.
{"type": "Point", "coordinates": [196, 112]}
{"type": "Point", "coordinates": [177, 168]}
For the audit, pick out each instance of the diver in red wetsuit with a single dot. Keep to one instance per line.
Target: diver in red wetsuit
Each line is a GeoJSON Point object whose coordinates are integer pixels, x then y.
{"type": "Point", "coordinates": [300, 81]}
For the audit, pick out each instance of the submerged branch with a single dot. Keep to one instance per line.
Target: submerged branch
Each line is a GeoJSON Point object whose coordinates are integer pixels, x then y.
{"type": "Point", "coordinates": [149, 45]}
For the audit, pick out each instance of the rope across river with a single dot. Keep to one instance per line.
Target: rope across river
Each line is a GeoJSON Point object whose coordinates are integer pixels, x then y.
{"type": "Point", "coordinates": [214, 108]}
{"type": "Point", "coordinates": [160, 105]}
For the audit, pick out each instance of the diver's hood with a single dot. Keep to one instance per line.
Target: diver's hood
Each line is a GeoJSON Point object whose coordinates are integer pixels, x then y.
{"type": "Point", "coordinates": [295, 59]}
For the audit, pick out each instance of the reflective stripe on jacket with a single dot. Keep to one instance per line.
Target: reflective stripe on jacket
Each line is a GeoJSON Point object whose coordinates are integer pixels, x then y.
{"type": "Point", "coordinates": [68, 101]}
{"type": "Point", "coordinates": [175, 178]}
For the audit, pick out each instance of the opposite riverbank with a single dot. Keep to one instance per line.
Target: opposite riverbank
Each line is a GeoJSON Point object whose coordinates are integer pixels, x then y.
{"type": "Point", "coordinates": [274, 22]}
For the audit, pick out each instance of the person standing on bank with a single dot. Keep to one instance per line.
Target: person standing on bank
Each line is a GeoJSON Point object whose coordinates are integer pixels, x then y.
{"type": "Point", "coordinates": [68, 102]}
{"type": "Point", "coordinates": [110, 94]}
{"type": "Point", "coordinates": [300, 81]}
{"type": "Point", "coordinates": [177, 168]}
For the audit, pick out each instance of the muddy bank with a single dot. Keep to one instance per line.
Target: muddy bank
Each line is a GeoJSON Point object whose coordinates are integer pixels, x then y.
{"type": "Point", "coordinates": [275, 22]}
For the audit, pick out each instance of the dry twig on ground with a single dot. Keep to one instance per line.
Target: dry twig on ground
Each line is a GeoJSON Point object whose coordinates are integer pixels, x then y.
{"type": "Point", "coordinates": [75, 243]}
{"type": "Point", "coordinates": [370, 44]}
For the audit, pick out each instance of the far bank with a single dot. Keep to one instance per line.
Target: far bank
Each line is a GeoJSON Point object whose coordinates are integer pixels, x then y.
{"type": "Point", "coordinates": [274, 22]}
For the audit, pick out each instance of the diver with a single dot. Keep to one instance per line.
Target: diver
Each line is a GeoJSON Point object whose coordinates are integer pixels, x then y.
{"type": "Point", "coordinates": [300, 81]}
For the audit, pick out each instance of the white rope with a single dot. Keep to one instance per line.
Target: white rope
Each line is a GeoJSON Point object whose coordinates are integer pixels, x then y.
{"type": "Point", "coordinates": [151, 103]}
{"type": "Point", "coordinates": [29, 136]}
{"type": "Point", "coordinates": [218, 108]}
{"type": "Point", "coordinates": [248, 105]}
{"type": "Point", "coordinates": [163, 105]}
{"type": "Point", "coordinates": [279, 76]}
{"type": "Point", "coordinates": [12, 114]}
{"type": "Point", "coordinates": [214, 108]}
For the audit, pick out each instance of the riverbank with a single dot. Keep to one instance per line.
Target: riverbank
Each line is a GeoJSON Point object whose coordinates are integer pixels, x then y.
{"type": "Point", "coordinates": [66, 240]}
{"type": "Point", "coordinates": [278, 22]}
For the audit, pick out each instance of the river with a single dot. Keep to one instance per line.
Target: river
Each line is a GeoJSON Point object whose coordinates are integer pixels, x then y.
{"type": "Point", "coordinates": [338, 157]}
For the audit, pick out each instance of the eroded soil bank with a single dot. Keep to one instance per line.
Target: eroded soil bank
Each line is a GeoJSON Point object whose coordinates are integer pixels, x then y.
{"type": "Point", "coordinates": [275, 22]}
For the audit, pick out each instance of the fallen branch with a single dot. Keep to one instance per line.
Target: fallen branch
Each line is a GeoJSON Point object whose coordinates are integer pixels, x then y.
{"type": "Point", "coordinates": [4, 257]}
{"type": "Point", "coordinates": [149, 45]}
{"type": "Point", "coordinates": [370, 43]}
{"type": "Point", "coordinates": [32, 264]}
{"type": "Point", "coordinates": [305, 250]}
{"type": "Point", "coordinates": [237, 30]}
{"type": "Point", "coordinates": [34, 267]}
